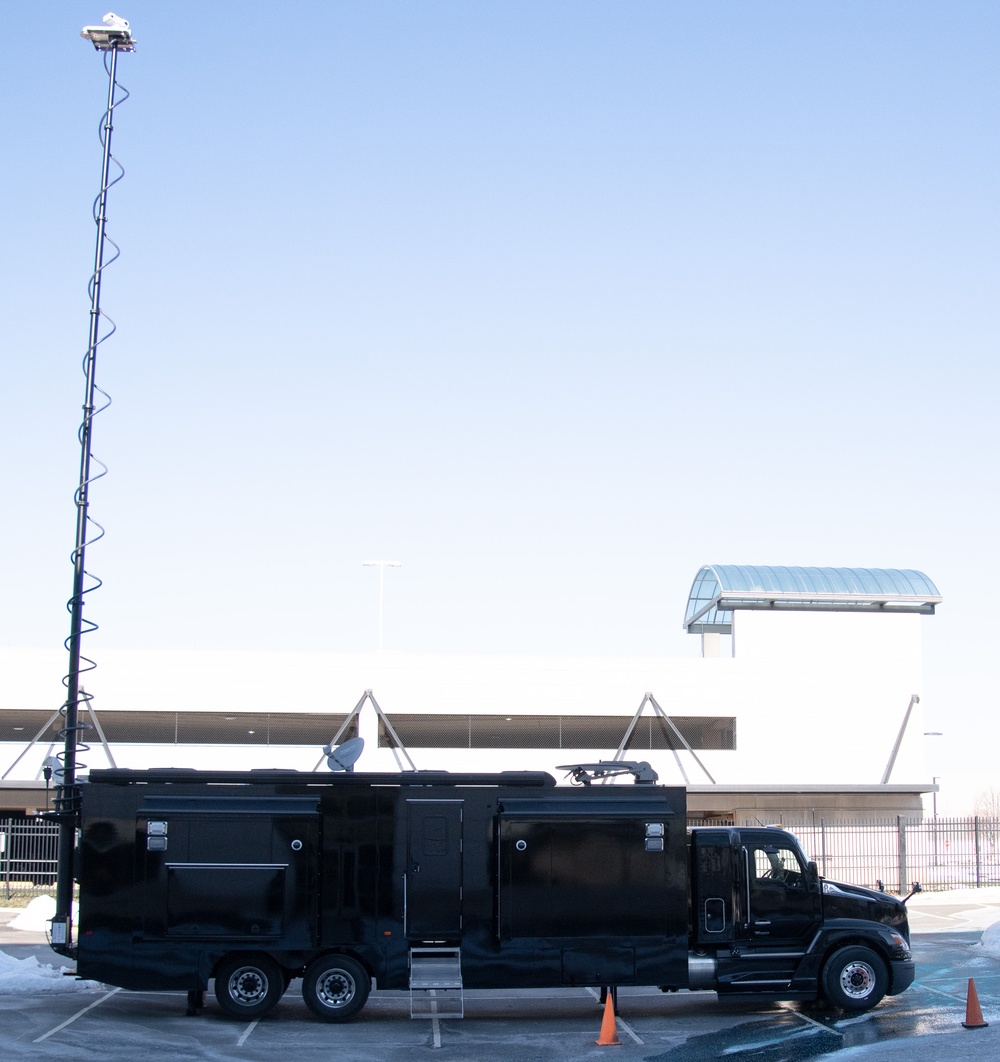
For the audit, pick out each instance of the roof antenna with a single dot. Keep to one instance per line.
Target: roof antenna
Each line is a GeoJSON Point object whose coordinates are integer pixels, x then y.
{"type": "Point", "coordinates": [110, 39]}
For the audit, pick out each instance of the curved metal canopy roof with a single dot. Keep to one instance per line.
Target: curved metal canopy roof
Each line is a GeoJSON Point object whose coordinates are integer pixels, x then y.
{"type": "Point", "coordinates": [719, 589]}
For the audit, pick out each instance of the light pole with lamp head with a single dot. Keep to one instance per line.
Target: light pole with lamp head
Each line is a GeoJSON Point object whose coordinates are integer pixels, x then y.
{"type": "Point", "coordinates": [381, 565]}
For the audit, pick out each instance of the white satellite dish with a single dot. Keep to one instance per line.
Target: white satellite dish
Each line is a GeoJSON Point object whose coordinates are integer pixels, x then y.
{"type": "Point", "coordinates": [345, 756]}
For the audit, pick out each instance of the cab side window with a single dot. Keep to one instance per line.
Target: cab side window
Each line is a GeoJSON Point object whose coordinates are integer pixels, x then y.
{"type": "Point", "coordinates": [776, 867]}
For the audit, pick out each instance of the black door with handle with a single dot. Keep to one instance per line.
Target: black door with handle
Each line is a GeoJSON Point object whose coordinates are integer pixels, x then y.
{"type": "Point", "coordinates": [434, 869]}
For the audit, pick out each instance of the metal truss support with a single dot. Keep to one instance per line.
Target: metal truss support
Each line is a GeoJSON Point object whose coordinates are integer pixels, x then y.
{"type": "Point", "coordinates": [88, 707]}
{"type": "Point", "coordinates": [397, 748]}
{"type": "Point", "coordinates": [681, 739]}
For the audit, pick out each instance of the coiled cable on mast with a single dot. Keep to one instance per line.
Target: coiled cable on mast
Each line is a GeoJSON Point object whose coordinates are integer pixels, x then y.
{"type": "Point", "coordinates": [88, 530]}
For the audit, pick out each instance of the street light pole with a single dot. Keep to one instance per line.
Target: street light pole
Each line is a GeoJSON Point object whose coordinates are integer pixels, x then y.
{"type": "Point", "coordinates": [381, 565]}
{"type": "Point", "coordinates": [934, 792]}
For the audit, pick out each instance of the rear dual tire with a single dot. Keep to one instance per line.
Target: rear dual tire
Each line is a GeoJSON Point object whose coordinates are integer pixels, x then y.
{"type": "Point", "coordinates": [249, 986]}
{"type": "Point", "coordinates": [336, 987]}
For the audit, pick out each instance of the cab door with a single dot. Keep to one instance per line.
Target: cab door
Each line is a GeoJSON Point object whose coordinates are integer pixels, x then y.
{"type": "Point", "coordinates": [781, 908]}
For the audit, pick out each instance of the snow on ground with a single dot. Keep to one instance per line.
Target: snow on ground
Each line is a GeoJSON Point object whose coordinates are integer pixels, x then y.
{"type": "Point", "coordinates": [29, 976]}
{"type": "Point", "coordinates": [991, 941]}
{"type": "Point", "coordinates": [36, 916]}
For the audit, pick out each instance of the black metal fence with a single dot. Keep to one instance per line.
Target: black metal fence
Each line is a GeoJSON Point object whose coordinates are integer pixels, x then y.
{"type": "Point", "coordinates": [894, 853]}
{"type": "Point", "coordinates": [891, 854]}
{"type": "Point", "coordinates": [29, 850]}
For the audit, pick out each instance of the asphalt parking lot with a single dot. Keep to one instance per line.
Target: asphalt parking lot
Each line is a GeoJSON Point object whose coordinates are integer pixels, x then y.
{"type": "Point", "coordinates": [924, 1022]}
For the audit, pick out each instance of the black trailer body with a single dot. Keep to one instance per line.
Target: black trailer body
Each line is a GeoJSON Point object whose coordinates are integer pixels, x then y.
{"type": "Point", "coordinates": [430, 880]}
{"type": "Point", "coordinates": [537, 886]}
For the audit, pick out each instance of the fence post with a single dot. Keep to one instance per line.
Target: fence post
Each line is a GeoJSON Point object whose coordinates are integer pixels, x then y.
{"type": "Point", "coordinates": [978, 864]}
{"type": "Point", "coordinates": [822, 843]}
{"type": "Point", "coordinates": [4, 856]}
{"type": "Point", "coordinates": [901, 841]}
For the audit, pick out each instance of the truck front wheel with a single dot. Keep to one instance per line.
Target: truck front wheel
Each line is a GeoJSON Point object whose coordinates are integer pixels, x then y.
{"type": "Point", "coordinates": [335, 987]}
{"type": "Point", "coordinates": [248, 986]}
{"type": "Point", "coordinates": [855, 978]}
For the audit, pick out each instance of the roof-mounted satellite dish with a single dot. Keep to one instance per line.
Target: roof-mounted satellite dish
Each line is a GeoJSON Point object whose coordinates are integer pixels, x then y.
{"type": "Point", "coordinates": [345, 756]}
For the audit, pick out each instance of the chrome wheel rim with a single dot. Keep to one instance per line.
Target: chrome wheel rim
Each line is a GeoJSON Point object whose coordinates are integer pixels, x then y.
{"type": "Point", "coordinates": [335, 988]}
{"type": "Point", "coordinates": [857, 980]}
{"type": "Point", "coordinates": [247, 986]}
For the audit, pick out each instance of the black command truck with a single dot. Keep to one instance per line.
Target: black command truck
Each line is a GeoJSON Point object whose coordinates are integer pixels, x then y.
{"type": "Point", "coordinates": [433, 881]}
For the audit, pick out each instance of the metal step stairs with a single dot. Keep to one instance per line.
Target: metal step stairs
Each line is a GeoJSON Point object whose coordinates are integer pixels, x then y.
{"type": "Point", "coordinates": [436, 983]}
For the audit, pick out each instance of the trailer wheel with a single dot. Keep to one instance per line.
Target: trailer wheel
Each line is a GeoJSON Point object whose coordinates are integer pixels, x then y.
{"type": "Point", "coordinates": [855, 978]}
{"type": "Point", "coordinates": [248, 986]}
{"type": "Point", "coordinates": [335, 987]}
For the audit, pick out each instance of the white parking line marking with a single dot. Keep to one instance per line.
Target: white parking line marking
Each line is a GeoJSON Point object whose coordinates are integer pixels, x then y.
{"type": "Point", "coordinates": [937, 991]}
{"type": "Point", "coordinates": [812, 1021]}
{"type": "Point", "coordinates": [624, 1025]}
{"type": "Point", "coordinates": [953, 978]}
{"type": "Point", "coordinates": [249, 1029]}
{"type": "Point", "coordinates": [69, 1021]}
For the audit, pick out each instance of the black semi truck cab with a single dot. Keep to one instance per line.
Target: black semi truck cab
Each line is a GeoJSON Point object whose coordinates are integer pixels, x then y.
{"type": "Point", "coordinates": [435, 882]}
{"type": "Point", "coordinates": [764, 921]}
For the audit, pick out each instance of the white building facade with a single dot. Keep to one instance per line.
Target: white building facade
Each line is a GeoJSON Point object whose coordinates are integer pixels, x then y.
{"type": "Point", "coordinates": [798, 702]}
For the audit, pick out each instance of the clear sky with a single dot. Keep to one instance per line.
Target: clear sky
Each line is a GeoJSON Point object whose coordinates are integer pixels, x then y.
{"type": "Point", "coordinates": [553, 302]}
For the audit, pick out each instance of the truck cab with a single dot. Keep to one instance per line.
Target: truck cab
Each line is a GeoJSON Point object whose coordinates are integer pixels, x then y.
{"type": "Point", "coordinates": [763, 921]}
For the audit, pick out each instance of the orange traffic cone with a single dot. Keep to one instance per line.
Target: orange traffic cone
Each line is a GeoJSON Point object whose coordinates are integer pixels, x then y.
{"type": "Point", "coordinates": [973, 1012]}
{"type": "Point", "coordinates": [609, 1028]}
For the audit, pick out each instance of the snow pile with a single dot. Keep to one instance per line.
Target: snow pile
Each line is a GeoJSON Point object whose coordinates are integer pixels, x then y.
{"type": "Point", "coordinates": [36, 916]}
{"type": "Point", "coordinates": [991, 941]}
{"type": "Point", "coordinates": [24, 976]}
{"type": "Point", "coordinates": [30, 976]}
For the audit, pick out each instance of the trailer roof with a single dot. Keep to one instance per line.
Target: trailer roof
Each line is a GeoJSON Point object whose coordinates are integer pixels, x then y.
{"type": "Point", "coordinates": [183, 775]}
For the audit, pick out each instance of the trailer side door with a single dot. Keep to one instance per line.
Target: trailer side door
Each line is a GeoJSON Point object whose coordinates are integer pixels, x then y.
{"type": "Point", "coordinates": [433, 875]}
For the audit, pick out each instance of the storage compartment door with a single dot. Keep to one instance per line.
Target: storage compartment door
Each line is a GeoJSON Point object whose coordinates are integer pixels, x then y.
{"type": "Point", "coordinates": [230, 876]}
{"type": "Point", "coordinates": [714, 893]}
{"type": "Point", "coordinates": [574, 877]}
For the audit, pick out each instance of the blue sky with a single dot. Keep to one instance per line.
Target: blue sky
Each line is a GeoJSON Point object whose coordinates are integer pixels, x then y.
{"type": "Point", "coordinates": [552, 302]}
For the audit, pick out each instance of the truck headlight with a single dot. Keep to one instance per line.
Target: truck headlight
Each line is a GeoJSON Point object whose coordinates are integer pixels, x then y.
{"type": "Point", "coordinates": [900, 943]}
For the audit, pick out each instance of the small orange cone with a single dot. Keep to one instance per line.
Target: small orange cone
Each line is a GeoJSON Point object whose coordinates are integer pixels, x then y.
{"type": "Point", "coordinates": [609, 1028]}
{"type": "Point", "coordinates": [973, 1012]}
